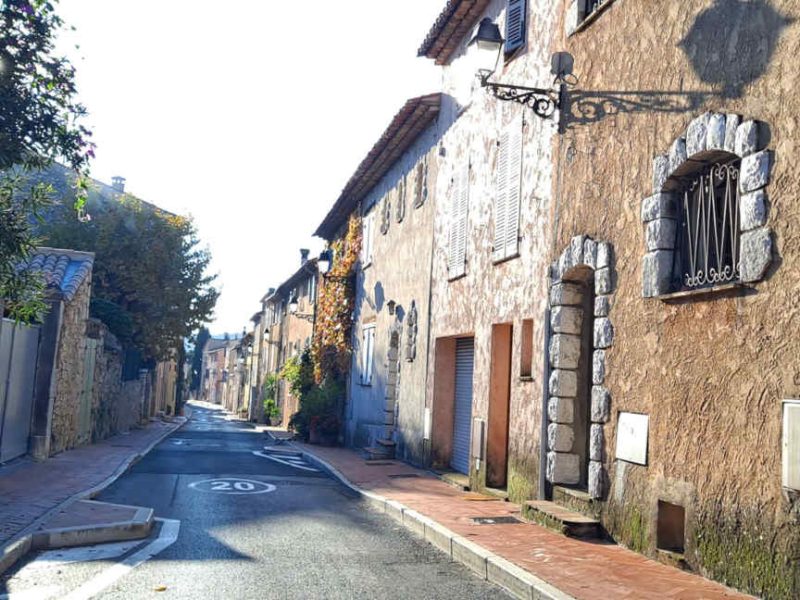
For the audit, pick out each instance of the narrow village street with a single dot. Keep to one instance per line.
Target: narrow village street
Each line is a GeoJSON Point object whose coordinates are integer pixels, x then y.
{"type": "Point", "coordinates": [247, 527]}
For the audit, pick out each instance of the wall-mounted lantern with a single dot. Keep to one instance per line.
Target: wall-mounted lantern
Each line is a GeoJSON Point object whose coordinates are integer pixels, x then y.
{"type": "Point", "coordinates": [325, 261]}
{"type": "Point", "coordinates": [485, 49]}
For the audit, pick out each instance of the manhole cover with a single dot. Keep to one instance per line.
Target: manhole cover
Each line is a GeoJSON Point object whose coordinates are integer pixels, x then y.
{"type": "Point", "coordinates": [503, 520]}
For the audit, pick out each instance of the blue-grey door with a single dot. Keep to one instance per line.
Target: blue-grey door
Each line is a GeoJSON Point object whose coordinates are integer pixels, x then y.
{"type": "Point", "coordinates": [19, 346]}
{"type": "Point", "coordinates": [462, 413]}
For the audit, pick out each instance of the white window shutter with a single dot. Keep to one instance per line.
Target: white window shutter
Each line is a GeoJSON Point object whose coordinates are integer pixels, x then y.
{"type": "Point", "coordinates": [458, 224]}
{"type": "Point", "coordinates": [514, 187]}
{"type": "Point", "coordinates": [500, 200]}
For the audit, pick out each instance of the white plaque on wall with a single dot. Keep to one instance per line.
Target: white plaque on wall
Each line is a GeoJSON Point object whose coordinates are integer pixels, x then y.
{"type": "Point", "coordinates": [632, 437]}
{"type": "Point", "coordinates": [791, 444]}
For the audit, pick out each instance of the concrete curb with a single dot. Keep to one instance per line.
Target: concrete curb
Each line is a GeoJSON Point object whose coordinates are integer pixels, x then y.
{"type": "Point", "coordinates": [25, 541]}
{"type": "Point", "coordinates": [137, 528]}
{"type": "Point", "coordinates": [482, 562]}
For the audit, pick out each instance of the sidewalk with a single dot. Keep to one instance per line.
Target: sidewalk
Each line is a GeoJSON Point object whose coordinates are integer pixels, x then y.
{"type": "Point", "coordinates": [581, 569]}
{"type": "Point", "coordinates": [30, 491]}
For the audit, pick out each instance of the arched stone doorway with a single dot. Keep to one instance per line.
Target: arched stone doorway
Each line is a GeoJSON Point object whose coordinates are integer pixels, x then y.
{"type": "Point", "coordinates": [581, 333]}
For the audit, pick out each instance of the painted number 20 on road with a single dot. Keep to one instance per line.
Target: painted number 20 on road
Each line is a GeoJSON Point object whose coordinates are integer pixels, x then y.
{"type": "Point", "coordinates": [232, 486]}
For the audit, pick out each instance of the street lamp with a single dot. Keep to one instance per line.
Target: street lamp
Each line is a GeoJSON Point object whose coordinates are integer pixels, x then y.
{"type": "Point", "coordinates": [294, 304]}
{"type": "Point", "coordinates": [325, 261]}
{"type": "Point", "coordinates": [485, 49]}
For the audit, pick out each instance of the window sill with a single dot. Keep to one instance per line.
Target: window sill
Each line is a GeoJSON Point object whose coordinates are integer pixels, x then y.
{"type": "Point", "coordinates": [456, 277]}
{"type": "Point", "coordinates": [525, 378]}
{"type": "Point", "coordinates": [500, 261]}
{"type": "Point", "coordinates": [592, 17]}
{"type": "Point", "coordinates": [700, 293]}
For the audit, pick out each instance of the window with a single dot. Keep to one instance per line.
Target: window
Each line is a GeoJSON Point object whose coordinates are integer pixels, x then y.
{"type": "Point", "coordinates": [457, 235]}
{"type": "Point", "coordinates": [506, 203]}
{"type": "Point", "coordinates": [581, 10]}
{"type": "Point", "coordinates": [400, 199]}
{"type": "Point", "coordinates": [367, 226]}
{"type": "Point", "coordinates": [708, 230]}
{"type": "Point", "coordinates": [367, 350]}
{"type": "Point", "coordinates": [386, 211]}
{"type": "Point", "coordinates": [515, 25]}
{"type": "Point", "coordinates": [421, 184]}
{"type": "Point", "coordinates": [526, 352]}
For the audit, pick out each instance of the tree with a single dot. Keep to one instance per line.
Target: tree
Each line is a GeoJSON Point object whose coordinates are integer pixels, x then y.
{"type": "Point", "coordinates": [149, 282]}
{"type": "Point", "coordinates": [39, 123]}
{"type": "Point", "coordinates": [197, 358]}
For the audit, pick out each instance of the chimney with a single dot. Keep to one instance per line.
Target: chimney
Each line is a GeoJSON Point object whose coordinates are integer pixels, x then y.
{"type": "Point", "coordinates": [118, 184]}
{"type": "Point", "coordinates": [270, 291]}
{"type": "Point", "coordinates": [304, 255]}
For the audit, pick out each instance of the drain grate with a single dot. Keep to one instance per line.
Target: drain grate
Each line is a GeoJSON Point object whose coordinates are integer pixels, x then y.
{"type": "Point", "coordinates": [378, 463]}
{"type": "Point", "coordinates": [502, 520]}
{"type": "Point", "coordinates": [402, 475]}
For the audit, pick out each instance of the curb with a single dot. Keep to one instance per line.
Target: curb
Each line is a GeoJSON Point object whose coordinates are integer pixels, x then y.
{"type": "Point", "coordinates": [137, 528]}
{"type": "Point", "coordinates": [479, 560]}
{"type": "Point", "coordinates": [26, 540]}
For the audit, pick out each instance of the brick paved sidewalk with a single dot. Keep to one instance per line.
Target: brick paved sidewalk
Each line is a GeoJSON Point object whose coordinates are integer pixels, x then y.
{"type": "Point", "coordinates": [29, 489]}
{"type": "Point", "coordinates": [583, 569]}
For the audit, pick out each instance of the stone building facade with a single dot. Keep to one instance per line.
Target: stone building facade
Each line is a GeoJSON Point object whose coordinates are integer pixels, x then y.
{"type": "Point", "coordinates": [677, 154]}
{"type": "Point", "coordinates": [492, 239]}
{"type": "Point", "coordinates": [392, 190]}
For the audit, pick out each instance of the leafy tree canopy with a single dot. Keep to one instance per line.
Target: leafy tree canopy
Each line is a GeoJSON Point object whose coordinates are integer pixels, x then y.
{"type": "Point", "coordinates": [149, 282]}
{"type": "Point", "coordinates": [197, 358]}
{"type": "Point", "coordinates": [39, 123]}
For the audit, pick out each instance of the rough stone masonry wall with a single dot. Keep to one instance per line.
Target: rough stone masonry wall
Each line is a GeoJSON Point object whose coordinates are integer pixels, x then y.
{"type": "Point", "coordinates": [400, 271]}
{"type": "Point", "coordinates": [516, 289]}
{"type": "Point", "coordinates": [69, 366]}
{"type": "Point", "coordinates": [710, 372]}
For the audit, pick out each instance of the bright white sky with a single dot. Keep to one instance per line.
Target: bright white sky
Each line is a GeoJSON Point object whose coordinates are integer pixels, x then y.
{"type": "Point", "coordinates": [250, 116]}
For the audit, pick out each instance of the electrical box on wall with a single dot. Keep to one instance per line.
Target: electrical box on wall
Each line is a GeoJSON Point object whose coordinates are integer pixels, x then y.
{"type": "Point", "coordinates": [791, 444]}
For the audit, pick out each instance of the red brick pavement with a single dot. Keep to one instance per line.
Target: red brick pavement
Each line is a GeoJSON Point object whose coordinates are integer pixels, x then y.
{"type": "Point", "coordinates": [29, 489]}
{"type": "Point", "coordinates": [583, 569]}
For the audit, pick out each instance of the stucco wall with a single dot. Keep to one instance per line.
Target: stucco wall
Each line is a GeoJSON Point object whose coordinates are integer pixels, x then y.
{"type": "Point", "coordinates": [710, 372]}
{"type": "Point", "coordinates": [516, 289]}
{"type": "Point", "coordinates": [69, 366]}
{"type": "Point", "coordinates": [400, 271]}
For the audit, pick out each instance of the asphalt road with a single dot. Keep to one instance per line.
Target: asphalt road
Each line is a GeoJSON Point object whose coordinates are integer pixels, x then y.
{"type": "Point", "coordinates": [266, 526]}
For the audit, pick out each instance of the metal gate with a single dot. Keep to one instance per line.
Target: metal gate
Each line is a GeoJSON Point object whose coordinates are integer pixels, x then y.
{"type": "Point", "coordinates": [462, 413]}
{"type": "Point", "coordinates": [19, 347]}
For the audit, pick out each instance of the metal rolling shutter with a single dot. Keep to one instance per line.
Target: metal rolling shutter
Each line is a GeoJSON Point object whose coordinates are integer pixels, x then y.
{"type": "Point", "coordinates": [462, 415]}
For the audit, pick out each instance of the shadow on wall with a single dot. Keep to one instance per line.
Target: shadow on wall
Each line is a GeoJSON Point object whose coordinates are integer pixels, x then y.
{"type": "Point", "coordinates": [731, 43]}
{"type": "Point", "coordinates": [729, 46]}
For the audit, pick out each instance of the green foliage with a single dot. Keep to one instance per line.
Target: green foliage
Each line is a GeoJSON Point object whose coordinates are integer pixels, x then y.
{"type": "Point", "coordinates": [149, 282]}
{"type": "Point", "coordinates": [298, 372]}
{"type": "Point", "coordinates": [271, 409]}
{"type": "Point", "coordinates": [270, 386]}
{"type": "Point", "coordinates": [318, 409]}
{"type": "Point", "coordinates": [39, 124]}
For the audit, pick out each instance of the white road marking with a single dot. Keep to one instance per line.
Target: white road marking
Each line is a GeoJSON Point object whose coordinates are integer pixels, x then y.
{"type": "Point", "coordinates": [286, 460]}
{"type": "Point", "coordinates": [65, 556]}
{"type": "Point", "coordinates": [40, 593]}
{"type": "Point", "coordinates": [166, 537]}
{"type": "Point", "coordinates": [232, 486]}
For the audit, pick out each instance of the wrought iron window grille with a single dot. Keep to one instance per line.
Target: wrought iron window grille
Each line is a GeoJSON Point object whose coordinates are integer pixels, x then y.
{"type": "Point", "coordinates": [708, 246]}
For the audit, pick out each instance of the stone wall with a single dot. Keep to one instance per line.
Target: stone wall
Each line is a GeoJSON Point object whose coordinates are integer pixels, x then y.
{"type": "Point", "coordinates": [69, 367]}
{"type": "Point", "coordinates": [392, 407]}
{"type": "Point", "coordinates": [508, 292]}
{"type": "Point", "coordinates": [710, 371]}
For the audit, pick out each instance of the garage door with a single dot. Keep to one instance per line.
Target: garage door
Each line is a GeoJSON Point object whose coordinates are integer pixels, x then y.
{"type": "Point", "coordinates": [465, 357]}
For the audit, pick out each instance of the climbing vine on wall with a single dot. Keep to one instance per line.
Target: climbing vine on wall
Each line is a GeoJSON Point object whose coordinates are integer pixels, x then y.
{"type": "Point", "coordinates": [331, 348]}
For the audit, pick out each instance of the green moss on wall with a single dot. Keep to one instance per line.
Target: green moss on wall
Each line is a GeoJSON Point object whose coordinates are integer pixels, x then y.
{"type": "Point", "coordinates": [744, 560]}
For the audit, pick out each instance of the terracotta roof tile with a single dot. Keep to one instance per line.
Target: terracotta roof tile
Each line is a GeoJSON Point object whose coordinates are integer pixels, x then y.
{"type": "Point", "coordinates": [454, 23]}
{"type": "Point", "coordinates": [415, 117]}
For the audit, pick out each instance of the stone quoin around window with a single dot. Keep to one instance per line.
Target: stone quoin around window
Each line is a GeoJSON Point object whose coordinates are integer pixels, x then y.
{"type": "Point", "coordinates": [705, 224]}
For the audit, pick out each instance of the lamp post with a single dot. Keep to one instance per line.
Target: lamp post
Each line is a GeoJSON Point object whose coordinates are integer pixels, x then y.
{"type": "Point", "coordinates": [325, 261]}
{"type": "Point", "coordinates": [485, 49]}
{"type": "Point", "coordinates": [294, 305]}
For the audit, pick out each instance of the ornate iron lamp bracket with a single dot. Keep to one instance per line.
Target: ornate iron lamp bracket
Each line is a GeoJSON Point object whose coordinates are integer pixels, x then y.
{"type": "Point", "coordinates": [543, 102]}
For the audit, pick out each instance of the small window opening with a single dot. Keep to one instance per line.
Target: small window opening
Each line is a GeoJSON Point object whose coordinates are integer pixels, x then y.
{"type": "Point", "coordinates": [671, 527]}
{"type": "Point", "coordinates": [526, 354]}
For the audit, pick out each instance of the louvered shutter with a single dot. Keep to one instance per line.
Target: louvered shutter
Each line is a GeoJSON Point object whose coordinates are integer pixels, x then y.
{"type": "Point", "coordinates": [515, 24]}
{"type": "Point", "coordinates": [458, 224]}
{"type": "Point", "coordinates": [500, 199]}
{"type": "Point", "coordinates": [514, 187]}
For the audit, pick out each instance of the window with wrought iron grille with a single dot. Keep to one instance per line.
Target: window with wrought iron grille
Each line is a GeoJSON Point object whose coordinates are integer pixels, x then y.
{"type": "Point", "coordinates": [707, 245]}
